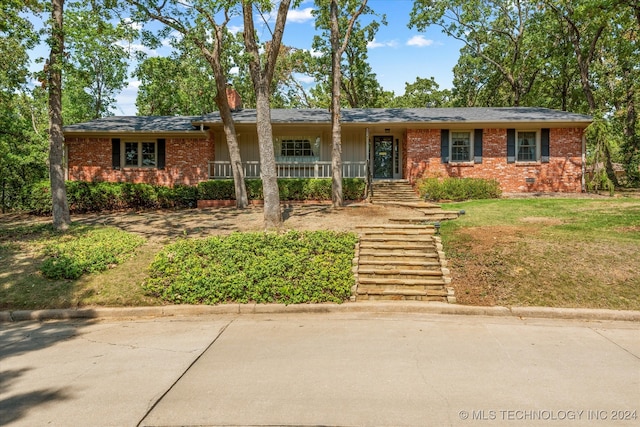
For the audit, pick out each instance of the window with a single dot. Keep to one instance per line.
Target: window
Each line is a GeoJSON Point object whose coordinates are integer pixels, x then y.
{"type": "Point", "coordinates": [296, 147]}
{"type": "Point", "coordinates": [526, 146]}
{"type": "Point", "coordinates": [461, 146]}
{"type": "Point", "coordinates": [140, 154]}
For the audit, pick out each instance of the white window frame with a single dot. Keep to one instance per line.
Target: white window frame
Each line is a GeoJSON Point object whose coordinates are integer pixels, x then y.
{"type": "Point", "coordinates": [140, 162]}
{"type": "Point", "coordinates": [536, 146]}
{"type": "Point", "coordinates": [309, 150]}
{"type": "Point", "coordinates": [469, 158]}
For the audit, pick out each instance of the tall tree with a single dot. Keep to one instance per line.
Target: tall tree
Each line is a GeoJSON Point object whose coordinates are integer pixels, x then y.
{"type": "Point", "coordinates": [262, 72]}
{"type": "Point", "coordinates": [95, 69]}
{"type": "Point", "coordinates": [423, 93]}
{"type": "Point", "coordinates": [497, 31]}
{"type": "Point", "coordinates": [181, 84]}
{"type": "Point", "coordinates": [61, 217]}
{"type": "Point", "coordinates": [338, 26]}
{"type": "Point", "coordinates": [359, 85]}
{"type": "Point", "coordinates": [197, 22]}
{"type": "Point", "coordinates": [586, 23]}
{"type": "Point", "coordinates": [23, 116]}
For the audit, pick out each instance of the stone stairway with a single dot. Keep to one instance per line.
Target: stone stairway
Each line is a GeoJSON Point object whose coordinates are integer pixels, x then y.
{"type": "Point", "coordinates": [401, 193]}
{"type": "Point", "coordinates": [401, 262]}
{"type": "Point", "coordinates": [393, 191]}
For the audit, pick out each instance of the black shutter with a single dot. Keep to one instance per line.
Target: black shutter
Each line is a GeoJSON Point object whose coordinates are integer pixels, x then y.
{"type": "Point", "coordinates": [477, 146]}
{"type": "Point", "coordinates": [161, 153]}
{"type": "Point", "coordinates": [544, 145]}
{"type": "Point", "coordinates": [511, 145]}
{"type": "Point", "coordinates": [444, 145]}
{"type": "Point", "coordinates": [115, 153]}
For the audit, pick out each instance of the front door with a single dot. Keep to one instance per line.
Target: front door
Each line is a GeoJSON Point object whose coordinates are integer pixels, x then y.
{"type": "Point", "coordinates": [383, 157]}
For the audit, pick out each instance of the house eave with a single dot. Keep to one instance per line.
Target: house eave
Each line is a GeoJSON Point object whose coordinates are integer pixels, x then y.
{"type": "Point", "coordinates": [136, 133]}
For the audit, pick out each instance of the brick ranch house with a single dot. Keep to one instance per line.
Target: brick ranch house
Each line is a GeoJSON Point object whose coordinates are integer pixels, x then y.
{"type": "Point", "coordinates": [525, 149]}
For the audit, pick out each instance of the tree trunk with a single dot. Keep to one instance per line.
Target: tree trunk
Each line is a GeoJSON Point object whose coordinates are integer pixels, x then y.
{"type": "Point", "coordinates": [336, 128]}
{"type": "Point", "coordinates": [268, 172]}
{"type": "Point", "coordinates": [61, 218]}
{"type": "Point", "coordinates": [240, 187]}
{"type": "Point", "coordinates": [261, 77]}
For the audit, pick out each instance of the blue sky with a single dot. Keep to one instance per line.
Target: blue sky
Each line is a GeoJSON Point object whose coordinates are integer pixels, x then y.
{"type": "Point", "coordinates": [397, 56]}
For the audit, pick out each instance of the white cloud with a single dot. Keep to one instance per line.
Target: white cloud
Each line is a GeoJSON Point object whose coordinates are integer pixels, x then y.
{"type": "Point", "coordinates": [315, 53]}
{"type": "Point", "coordinates": [137, 47]}
{"type": "Point", "coordinates": [305, 79]}
{"type": "Point", "coordinates": [135, 25]}
{"type": "Point", "coordinates": [373, 44]}
{"type": "Point", "coordinates": [300, 15]}
{"type": "Point", "coordinates": [235, 29]}
{"type": "Point", "coordinates": [419, 41]}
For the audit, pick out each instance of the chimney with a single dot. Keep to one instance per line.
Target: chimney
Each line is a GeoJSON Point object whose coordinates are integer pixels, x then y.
{"type": "Point", "coordinates": [233, 97]}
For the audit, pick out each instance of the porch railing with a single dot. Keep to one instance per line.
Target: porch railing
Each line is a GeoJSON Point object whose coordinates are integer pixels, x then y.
{"type": "Point", "coordinates": [222, 169]}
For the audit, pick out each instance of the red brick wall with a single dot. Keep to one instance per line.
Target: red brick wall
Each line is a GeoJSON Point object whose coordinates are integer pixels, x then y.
{"type": "Point", "coordinates": [563, 173]}
{"type": "Point", "coordinates": [186, 162]}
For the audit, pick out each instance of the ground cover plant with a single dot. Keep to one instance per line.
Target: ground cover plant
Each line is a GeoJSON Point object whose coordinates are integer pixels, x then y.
{"type": "Point", "coordinates": [42, 268]}
{"type": "Point", "coordinates": [86, 250]}
{"type": "Point", "coordinates": [294, 267]}
{"type": "Point", "coordinates": [546, 252]}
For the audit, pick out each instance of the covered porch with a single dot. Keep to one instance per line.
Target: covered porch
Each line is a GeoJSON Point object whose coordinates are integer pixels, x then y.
{"type": "Point", "coordinates": [221, 169]}
{"type": "Point", "coordinates": [305, 152]}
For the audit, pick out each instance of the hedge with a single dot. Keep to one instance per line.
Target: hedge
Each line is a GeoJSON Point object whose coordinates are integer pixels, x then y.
{"type": "Point", "coordinates": [458, 189]}
{"type": "Point", "coordinates": [86, 197]}
{"type": "Point", "coordinates": [289, 189]}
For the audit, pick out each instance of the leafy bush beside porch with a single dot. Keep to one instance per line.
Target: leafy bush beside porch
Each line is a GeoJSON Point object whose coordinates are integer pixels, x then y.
{"type": "Point", "coordinates": [290, 189]}
{"type": "Point", "coordinates": [458, 189]}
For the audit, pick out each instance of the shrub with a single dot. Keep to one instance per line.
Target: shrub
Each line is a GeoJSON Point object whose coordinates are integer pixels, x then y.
{"type": "Point", "coordinates": [139, 195]}
{"type": "Point", "coordinates": [101, 196]}
{"type": "Point", "coordinates": [458, 189]}
{"type": "Point", "coordinates": [184, 196]}
{"type": "Point", "coordinates": [296, 267]}
{"type": "Point", "coordinates": [87, 250]}
{"type": "Point", "coordinates": [289, 189]}
{"type": "Point", "coordinates": [219, 189]}
{"type": "Point", "coordinates": [40, 199]}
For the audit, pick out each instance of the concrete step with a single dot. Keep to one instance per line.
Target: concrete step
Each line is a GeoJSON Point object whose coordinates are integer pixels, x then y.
{"type": "Point", "coordinates": [397, 256]}
{"type": "Point", "coordinates": [435, 291]}
{"type": "Point", "coordinates": [410, 263]}
{"type": "Point", "coordinates": [398, 273]}
{"type": "Point", "coordinates": [400, 248]}
{"type": "Point", "coordinates": [395, 282]}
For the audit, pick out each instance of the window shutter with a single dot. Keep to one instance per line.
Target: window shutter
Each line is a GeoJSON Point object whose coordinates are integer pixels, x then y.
{"type": "Point", "coordinates": [444, 145]}
{"type": "Point", "coordinates": [544, 146]}
{"type": "Point", "coordinates": [511, 145]}
{"type": "Point", "coordinates": [477, 146]}
{"type": "Point", "coordinates": [115, 153]}
{"type": "Point", "coordinates": [161, 153]}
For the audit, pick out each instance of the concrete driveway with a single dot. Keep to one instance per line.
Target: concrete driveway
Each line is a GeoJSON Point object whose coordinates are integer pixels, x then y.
{"type": "Point", "coordinates": [331, 369]}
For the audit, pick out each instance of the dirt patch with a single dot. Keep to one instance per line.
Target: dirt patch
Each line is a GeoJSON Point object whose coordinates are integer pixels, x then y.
{"type": "Point", "coordinates": [163, 225]}
{"type": "Point", "coordinates": [477, 259]}
{"type": "Point", "coordinates": [541, 220]}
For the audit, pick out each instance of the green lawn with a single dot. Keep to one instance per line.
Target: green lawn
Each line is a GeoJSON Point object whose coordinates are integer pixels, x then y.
{"type": "Point", "coordinates": [546, 252]}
